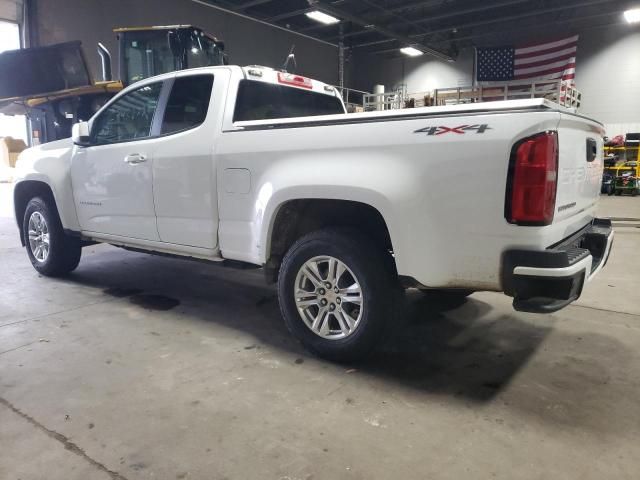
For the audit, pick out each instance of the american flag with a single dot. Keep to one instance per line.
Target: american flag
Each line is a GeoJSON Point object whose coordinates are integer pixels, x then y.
{"type": "Point", "coordinates": [545, 61]}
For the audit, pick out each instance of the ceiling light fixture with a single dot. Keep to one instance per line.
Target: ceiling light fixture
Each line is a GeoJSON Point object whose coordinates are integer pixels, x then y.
{"type": "Point", "coordinates": [633, 15]}
{"type": "Point", "coordinates": [412, 52]}
{"type": "Point", "coordinates": [321, 17]}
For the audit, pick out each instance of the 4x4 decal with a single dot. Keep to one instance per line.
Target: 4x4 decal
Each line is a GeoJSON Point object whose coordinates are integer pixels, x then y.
{"type": "Point", "coordinates": [461, 130]}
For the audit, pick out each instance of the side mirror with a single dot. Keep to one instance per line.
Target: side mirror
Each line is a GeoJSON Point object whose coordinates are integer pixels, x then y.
{"type": "Point", "coordinates": [80, 134]}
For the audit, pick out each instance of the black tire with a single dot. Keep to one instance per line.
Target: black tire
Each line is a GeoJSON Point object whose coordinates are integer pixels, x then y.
{"type": "Point", "coordinates": [64, 250]}
{"type": "Point", "coordinates": [373, 267]}
{"type": "Point", "coordinates": [634, 192]}
{"type": "Point", "coordinates": [610, 190]}
{"type": "Point", "coordinates": [618, 192]}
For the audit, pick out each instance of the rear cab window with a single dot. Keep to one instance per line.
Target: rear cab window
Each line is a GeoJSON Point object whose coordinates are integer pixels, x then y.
{"type": "Point", "coordinates": [258, 100]}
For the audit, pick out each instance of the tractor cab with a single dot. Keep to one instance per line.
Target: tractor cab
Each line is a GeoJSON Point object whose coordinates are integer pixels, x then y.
{"type": "Point", "coordinates": [52, 86]}
{"type": "Point", "coordinates": [149, 51]}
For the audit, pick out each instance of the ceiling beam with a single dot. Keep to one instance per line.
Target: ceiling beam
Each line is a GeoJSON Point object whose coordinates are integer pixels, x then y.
{"type": "Point", "coordinates": [508, 18]}
{"type": "Point", "coordinates": [465, 11]}
{"type": "Point", "coordinates": [405, 20]}
{"type": "Point", "coordinates": [285, 15]}
{"type": "Point", "coordinates": [414, 5]}
{"type": "Point", "coordinates": [615, 13]}
{"type": "Point", "coordinates": [252, 3]}
{"type": "Point", "coordinates": [372, 26]}
{"type": "Point", "coordinates": [450, 14]}
{"type": "Point", "coordinates": [542, 11]}
{"type": "Point", "coordinates": [519, 28]}
{"type": "Point", "coordinates": [207, 3]}
{"type": "Point", "coordinates": [393, 36]}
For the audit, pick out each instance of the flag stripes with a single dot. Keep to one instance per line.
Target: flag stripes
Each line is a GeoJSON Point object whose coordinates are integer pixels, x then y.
{"type": "Point", "coordinates": [545, 61]}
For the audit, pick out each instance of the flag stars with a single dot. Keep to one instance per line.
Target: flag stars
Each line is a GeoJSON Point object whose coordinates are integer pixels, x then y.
{"type": "Point", "coordinates": [545, 61]}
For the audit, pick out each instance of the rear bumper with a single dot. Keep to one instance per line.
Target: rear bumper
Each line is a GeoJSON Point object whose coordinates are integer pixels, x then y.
{"type": "Point", "coordinates": [546, 281]}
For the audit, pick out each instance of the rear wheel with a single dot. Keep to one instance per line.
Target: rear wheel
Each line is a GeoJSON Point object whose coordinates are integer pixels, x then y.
{"type": "Point", "coordinates": [337, 291]}
{"type": "Point", "coordinates": [51, 251]}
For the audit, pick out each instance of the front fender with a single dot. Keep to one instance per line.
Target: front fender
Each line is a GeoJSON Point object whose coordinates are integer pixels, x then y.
{"type": "Point", "coordinates": [50, 164]}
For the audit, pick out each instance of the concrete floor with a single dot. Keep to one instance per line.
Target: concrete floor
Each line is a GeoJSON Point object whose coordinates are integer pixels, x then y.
{"type": "Point", "coordinates": [141, 367]}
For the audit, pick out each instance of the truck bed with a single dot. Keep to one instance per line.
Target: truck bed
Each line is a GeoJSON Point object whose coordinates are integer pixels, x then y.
{"type": "Point", "coordinates": [441, 192]}
{"type": "Point", "coordinates": [502, 106]}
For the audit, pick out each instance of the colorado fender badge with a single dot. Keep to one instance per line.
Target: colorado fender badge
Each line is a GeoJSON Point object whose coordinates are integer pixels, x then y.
{"type": "Point", "coordinates": [461, 130]}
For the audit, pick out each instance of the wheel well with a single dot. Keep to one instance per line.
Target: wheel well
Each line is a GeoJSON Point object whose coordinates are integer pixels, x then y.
{"type": "Point", "coordinates": [296, 218]}
{"type": "Point", "coordinates": [25, 191]}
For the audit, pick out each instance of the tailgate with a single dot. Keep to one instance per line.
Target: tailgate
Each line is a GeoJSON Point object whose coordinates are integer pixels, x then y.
{"type": "Point", "coordinates": [580, 167]}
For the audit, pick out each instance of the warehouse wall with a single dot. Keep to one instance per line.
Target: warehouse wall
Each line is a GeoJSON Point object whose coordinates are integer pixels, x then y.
{"type": "Point", "coordinates": [420, 74]}
{"type": "Point", "coordinates": [608, 64]}
{"type": "Point", "coordinates": [11, 10]}
{"type": "Point", "coordinates": [247, 42]}
{"type": "Point", "coordinates": [608, 74]}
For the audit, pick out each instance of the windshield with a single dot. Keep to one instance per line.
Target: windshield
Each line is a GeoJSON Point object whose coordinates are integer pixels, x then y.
{"type": "Point", "coordinates": [202, 51]}
{"type": "Point", "coordinates": [147, 53]}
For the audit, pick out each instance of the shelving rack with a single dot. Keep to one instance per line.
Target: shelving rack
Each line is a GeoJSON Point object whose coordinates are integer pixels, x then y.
{"type": "Point", "coordinates": [617, 170]}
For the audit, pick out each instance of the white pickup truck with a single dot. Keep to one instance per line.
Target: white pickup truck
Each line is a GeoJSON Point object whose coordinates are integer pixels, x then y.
{"type": "Point", "coordinates": [342, 210]}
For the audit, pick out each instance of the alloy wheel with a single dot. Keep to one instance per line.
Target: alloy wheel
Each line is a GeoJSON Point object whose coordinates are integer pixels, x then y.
{"type": "Point", "coordinates": [328, 297]}
{"type": "Point", "coordinates": [39, 237]}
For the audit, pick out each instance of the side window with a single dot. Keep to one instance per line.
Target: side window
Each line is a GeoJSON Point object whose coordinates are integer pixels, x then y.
{"type": "Point", "coordinates": [188, 103]}
{"type": "Point", "coordinates": [128, 118]}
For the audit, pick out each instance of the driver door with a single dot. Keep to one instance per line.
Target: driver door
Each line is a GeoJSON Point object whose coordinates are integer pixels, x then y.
{"type": "Point", "coordinates": [112, 177]}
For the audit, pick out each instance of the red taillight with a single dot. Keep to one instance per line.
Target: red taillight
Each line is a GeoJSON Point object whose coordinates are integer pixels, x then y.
{"type": "Point", "coordinates": [533, 174]}
{"type": "Point", "coordinates": [295, 80]}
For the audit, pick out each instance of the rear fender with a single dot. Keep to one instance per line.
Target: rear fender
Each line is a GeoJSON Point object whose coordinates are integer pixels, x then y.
{"type": "Point", "coordinates": [389, 195]}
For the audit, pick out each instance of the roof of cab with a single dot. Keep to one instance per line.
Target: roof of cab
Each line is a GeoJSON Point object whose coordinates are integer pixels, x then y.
{"type": "Point", "coordinates": [166, 27]}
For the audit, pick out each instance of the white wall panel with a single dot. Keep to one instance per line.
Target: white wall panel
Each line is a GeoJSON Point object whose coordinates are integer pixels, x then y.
{"type": "Point", "coordinates": [420, 74]}
{"type": "Point", "coordinates": [614, 129]}
{"type": "Point", "coordinates": [11, 10]}
{"type": "Point", "coordinates": [607, 74]}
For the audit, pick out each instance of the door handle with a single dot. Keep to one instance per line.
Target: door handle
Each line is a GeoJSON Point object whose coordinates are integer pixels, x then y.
{"type": "Point", "coordinates": [592, 149]}
{"type": "Point", "coordinates": [135, 158]}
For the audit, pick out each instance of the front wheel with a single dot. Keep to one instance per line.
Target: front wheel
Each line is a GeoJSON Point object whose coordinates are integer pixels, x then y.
{"type": "Point", "coordinates": [337, 291]}
{"type": "Point", "coordinates": [51, 251]}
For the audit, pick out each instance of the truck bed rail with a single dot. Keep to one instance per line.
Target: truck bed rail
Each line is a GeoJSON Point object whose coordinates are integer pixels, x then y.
{"type": "Point", "coordinates": [554, 90]}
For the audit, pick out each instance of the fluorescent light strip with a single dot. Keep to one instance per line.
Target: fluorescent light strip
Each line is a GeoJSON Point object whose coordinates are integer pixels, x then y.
{"type": "Point", "coordinates": [412, 52]}
{"type": "Point", "coordinates": [273, 25]}
{"type": "Point", "coordinates": [322, 17]}
{"type": "Point", "coordinates": [633, 15]}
